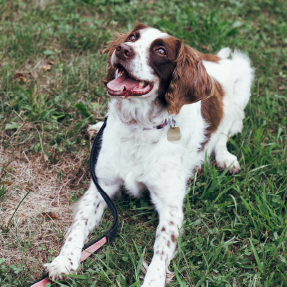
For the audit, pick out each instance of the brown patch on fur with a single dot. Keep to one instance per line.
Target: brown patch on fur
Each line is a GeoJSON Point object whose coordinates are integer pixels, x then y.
{"type": "Point", "coordinates": [163, 66]}
{"type": "Point", "coordinates": [190, 82]}
{"type": "Point", "coordinates": [209, 57]}
{"type": "Point", "coordinates": [163, 229]}
{"type": "Point", "coordinates": [173, 238]}
{"type": "Point", "coordinates": [139, 26]}
{"type": "Point", "coordinates": [212, 111]}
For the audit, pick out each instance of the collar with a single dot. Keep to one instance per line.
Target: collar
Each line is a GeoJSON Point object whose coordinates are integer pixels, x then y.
{"type": "Point", "coordinates": [157, 127]}
{"type": "Point", "coordinates": [170, 121]}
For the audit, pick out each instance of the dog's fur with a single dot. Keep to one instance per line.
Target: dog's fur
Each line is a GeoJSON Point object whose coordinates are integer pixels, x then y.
{"type": "Point", "coordinates": [205, 95]}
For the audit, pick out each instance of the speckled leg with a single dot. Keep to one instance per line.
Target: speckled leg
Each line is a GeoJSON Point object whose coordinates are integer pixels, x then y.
{"type": "Point", "coordinates": [169, 207]}
{"type": "Point", "coordinates": [89, 214]}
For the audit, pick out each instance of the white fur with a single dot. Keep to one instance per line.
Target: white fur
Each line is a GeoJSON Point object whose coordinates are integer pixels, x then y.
{"type": "Point", "coordinates": [139, 159]}
{"type": "Point", "coordinates": [235, 76]}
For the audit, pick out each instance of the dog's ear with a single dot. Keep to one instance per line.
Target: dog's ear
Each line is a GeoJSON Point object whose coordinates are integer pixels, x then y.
{"type": "Point", "coordinates": [119, 38]}
{"type": "Point", "coordinates": [190, 82]}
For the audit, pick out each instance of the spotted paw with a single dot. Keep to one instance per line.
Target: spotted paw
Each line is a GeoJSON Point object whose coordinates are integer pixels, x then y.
{"type": "Point", "coordinates": [60, 266]}
{"type": "Point", "coordinates": [154, 276]}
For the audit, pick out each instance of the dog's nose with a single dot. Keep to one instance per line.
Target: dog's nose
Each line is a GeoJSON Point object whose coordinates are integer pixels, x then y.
{"type": "Point", "coordinates": [123, 51]}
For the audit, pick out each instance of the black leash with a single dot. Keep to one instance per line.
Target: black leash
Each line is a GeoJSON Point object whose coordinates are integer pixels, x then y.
{"type": "Point", "coordinates": [93, 161]}
{"type": "Point", "coordinates": [98, 243]}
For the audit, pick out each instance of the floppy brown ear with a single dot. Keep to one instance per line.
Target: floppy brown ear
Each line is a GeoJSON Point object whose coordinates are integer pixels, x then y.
{"type": "Point", "coordinates": [190, 82]}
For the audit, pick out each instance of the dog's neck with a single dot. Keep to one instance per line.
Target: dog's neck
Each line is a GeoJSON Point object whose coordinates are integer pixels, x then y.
{"type": "Point", "coordinates": [144, 113]}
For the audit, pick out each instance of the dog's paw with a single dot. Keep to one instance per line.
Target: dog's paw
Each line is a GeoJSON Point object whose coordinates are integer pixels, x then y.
{"type": "Point", "coordinates": [94, 129]}
{"type": "Point", "coordinates": [158, 280]}
{"type": "Point", "coordinates": [154, 282]}
{"type": "Point", "coordinates": [169, 277]}
{"type": "Point", "coordinates": [154, 277]}
{"type": "Point", "coordinates": [60, 266]}
{"type": "Point", "coordinates": [228, 160]}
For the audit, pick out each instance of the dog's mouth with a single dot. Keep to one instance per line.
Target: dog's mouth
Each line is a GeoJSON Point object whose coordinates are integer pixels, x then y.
{"type": "Point", "coordinates": [125, 85]}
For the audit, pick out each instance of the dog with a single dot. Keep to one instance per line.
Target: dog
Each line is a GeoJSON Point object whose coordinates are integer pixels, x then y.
{"type": "Point", "coordinates": [170, 106]}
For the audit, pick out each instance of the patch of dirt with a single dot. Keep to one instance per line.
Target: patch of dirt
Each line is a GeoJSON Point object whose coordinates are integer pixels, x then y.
{"type": "Point", "coordinates": [41, 221]}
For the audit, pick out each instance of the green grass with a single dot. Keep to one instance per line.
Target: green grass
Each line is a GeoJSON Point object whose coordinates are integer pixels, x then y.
{"type": "Point", "coordinates": [235, 226]}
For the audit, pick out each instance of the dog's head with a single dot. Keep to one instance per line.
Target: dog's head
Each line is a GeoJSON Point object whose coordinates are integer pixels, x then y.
{"type": "Point", "coordinates": [147, 62]}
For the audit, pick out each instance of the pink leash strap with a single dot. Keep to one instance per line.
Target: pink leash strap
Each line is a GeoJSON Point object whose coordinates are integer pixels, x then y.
{"type": "Point", "coordinates": [84, 255]}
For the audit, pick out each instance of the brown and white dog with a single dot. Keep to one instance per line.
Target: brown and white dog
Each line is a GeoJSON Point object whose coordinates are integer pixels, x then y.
{"type": "Point", "coordinates": [156, 82]}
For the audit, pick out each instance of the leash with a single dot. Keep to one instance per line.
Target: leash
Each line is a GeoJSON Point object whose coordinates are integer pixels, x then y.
{"type": "Point", "coordinates": [98, 243]}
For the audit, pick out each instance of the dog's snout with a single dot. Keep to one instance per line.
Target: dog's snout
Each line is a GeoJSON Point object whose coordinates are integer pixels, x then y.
{"type": "Point", "coordinates": [124, 51]}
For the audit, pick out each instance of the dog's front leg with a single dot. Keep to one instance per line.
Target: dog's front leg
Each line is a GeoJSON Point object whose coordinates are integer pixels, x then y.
{"type": "Point", "coordinates": [168, 203]}
{"type": "Point", "coordinates": [89, 214]}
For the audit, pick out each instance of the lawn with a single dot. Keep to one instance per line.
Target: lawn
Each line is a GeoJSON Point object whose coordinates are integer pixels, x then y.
{"type": "Point", "coordinates": [51, 75]}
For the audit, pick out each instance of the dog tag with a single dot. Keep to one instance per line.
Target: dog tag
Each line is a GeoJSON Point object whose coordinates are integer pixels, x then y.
{"type": "Point", "coordinates": [173, 134]}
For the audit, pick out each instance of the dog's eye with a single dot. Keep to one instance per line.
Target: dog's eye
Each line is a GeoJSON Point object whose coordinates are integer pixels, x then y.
{"type": "Point", "coordinates": [132, 38]}
{"type": "Point", "coordinates": [161, 51]}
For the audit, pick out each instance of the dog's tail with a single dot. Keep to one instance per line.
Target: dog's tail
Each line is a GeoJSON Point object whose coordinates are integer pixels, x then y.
{"type": "Point", "coordinates": [243, 75]}
{"type": "Point", "coordinates": [224, 53]}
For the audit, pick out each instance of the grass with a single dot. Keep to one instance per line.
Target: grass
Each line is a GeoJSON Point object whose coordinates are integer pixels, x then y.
{"type": "Point", "coordinates": [235, 226]}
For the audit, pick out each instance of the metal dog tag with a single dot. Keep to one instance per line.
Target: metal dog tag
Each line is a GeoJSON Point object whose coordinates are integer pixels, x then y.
{"type": "Point", "coordinates": [173, 134]}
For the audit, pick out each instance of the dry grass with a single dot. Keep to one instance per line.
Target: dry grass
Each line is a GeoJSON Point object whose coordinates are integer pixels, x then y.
{"type": "Point", "coordinates": [45, 214]}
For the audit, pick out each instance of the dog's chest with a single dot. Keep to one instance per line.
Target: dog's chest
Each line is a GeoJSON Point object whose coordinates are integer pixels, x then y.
{"type": "Point", "coordinates": [138, 155]}
{"type": "Point", "coordinates": [133, 155]}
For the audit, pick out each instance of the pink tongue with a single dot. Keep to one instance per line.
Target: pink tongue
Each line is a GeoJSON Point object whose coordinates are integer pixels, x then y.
{"type": "Point", "coordinates": [122, 81]}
